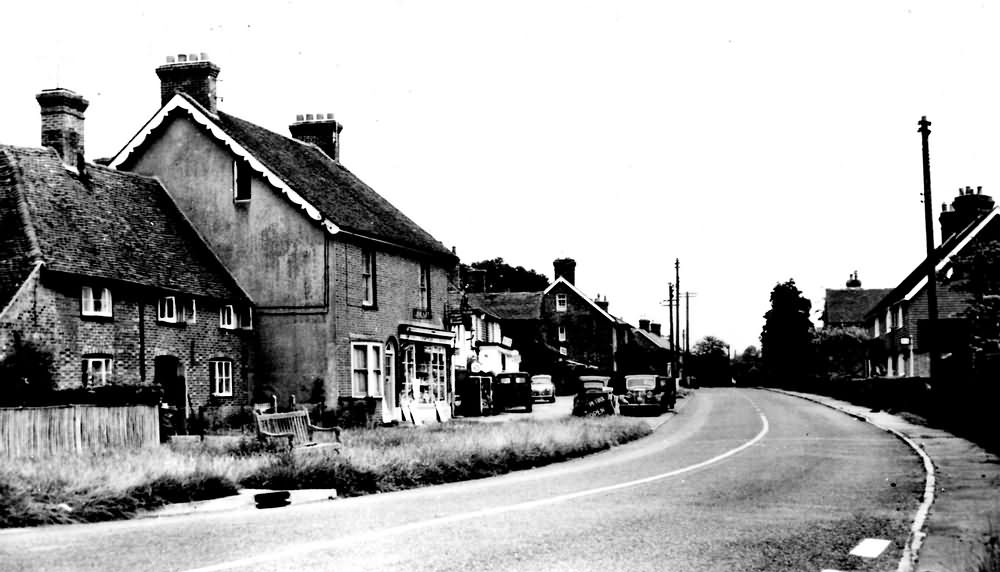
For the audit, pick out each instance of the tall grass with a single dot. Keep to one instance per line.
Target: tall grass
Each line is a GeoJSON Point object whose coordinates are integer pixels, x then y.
{"type": "Point", "coordinates": [119, 484]}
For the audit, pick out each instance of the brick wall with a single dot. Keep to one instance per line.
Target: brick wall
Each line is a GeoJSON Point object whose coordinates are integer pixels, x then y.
{"type": "Point", "coordinates": [47, 313]}
{"type": "Point", "coordinates": [588, 333]}
{"type": "Point", "coordinates": [397, 283]}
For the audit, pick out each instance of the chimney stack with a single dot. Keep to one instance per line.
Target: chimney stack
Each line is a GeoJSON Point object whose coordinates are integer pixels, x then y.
{"type": "Point", "coordinates": [193, 74]}
{"type": "Point", "coordinates": [602, 304]}
{"type": "Point", "coordinates": [655, 328]}
{"type": "Point", "coordinates": [644, 325]}
{"type": "Point", "coordinates": [966, 208]}
{"type": "Point", "coordinates": [565, 267]}
{"type": "Point", "coordinates": [62, 123]}
{"type": "Point", "coordinates": [853, 281]}
{"type": "Point", "coordinates": [322, 131]}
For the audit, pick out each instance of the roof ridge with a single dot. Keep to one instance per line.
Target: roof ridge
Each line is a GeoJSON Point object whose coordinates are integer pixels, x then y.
{"type": "Point", "coordinates": [23, 209]}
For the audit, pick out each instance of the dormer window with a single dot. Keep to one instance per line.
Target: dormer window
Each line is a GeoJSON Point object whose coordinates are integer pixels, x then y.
{"type": "Point", "coordinates": [560, 302]}
{"type": "Point", "coordinates": [227, 317]}
{"type": "Point", "coordinates": [166, 309]}
{"type": "Point", "coordinates": [242, 176]}
{"type": "Point", "coordinates": [95, 301]}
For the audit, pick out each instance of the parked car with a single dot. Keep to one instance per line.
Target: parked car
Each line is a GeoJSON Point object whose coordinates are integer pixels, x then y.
{"type": "Point", "coordinates": [542, 388]}
{"type": "Point", "coordinates": [475, 395]}
{"type": "Point", "coordinates": [595, 397]}
{"type": "Point", "coordinates": [647, 394]}
{"type": "Point", "coordinates": [512, 390]}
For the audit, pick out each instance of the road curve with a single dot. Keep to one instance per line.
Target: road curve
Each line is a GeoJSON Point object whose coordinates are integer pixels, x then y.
{"type": "Point", "coordinates": [740, 480]}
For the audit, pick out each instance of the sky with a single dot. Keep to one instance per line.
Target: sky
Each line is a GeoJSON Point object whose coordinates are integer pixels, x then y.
{"type": "Point", "coordinates": [756, 142]}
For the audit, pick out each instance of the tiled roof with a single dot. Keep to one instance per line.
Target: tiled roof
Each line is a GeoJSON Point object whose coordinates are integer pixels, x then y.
{"type": "Point", "coordinates": [944, 252]}
{"type": "Point", "coordinates": [339, 196]}
{"type": "Point", "coordinates": [509, 305]}
{"type": "Point", "coordinates": [848, 306]}
{"type": "Point", "coordinates": [659, 341]}
{"type": "Point", "coordinates": [106, 224]}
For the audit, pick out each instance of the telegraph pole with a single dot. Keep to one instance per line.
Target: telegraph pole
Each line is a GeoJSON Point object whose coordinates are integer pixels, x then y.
{"type": "Point", "coordinates": [673, 340]}
{"type": "Point", "coordinates": [677, 289]}
{"type": "Point", "coordinates": [925, 132]}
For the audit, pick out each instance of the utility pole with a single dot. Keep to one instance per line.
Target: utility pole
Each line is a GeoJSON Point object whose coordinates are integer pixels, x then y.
{"type": "Point", "coordinates": [673, 340]}
{"type": "Point", "coordinates": [925, 132]}
{"type": "Point", "coordinates": [677, 289]}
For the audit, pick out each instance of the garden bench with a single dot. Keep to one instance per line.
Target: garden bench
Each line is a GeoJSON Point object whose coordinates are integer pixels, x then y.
{"type": "Point", "coordinates": [294, 426]}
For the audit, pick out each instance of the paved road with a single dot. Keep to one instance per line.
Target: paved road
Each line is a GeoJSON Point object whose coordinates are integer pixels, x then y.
{"type": "Point", "coordinates": [741, 480]}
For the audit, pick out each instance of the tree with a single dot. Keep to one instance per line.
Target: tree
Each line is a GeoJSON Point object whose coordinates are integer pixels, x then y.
{"type": "Point", "coordinates": [978, 274]}
{"type": "Point", "coordinates": [746, 366]}
{"type": "Point", "coordinates": [786, 339]}
{"type": "Point", "coordinates": [841, 352]}
{"type": "Point", "coordinates": [710, 361]}
{"type": "Point", "coordinates": [27, 373]}
{"type": "Point", "coordinates": [495, 275]}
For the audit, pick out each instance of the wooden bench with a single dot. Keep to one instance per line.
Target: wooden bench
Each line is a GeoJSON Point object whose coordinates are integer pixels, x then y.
{"type": "Point", "coordinates": [294, 426]}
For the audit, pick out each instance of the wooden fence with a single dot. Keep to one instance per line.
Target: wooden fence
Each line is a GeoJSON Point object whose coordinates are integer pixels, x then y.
{"type": "Point", "coordinates": [38, 431]}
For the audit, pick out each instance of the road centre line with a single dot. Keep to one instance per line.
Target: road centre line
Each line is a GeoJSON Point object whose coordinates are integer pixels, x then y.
{"type": "Point", "coordinates": [303, 548]}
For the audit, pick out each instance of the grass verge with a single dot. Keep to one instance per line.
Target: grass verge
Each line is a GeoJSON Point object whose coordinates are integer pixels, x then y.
{"type": "Point", "coordinates": [119, 484]}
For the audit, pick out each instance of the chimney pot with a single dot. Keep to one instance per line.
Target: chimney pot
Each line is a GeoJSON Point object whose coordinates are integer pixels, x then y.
{"type": "Point", "coordinates": [181, 58]}
{"type": "Point", "coordinates": [170, 59]}
{"type": "Point", "coordinates": [330, 116]}
{"type": "Point", "coordinates": [192, 57]}
{"type": "Point", "coordinates": [204, 56]}
{"type": "Point", "coordinates": [300, 117]}
{"type": "Point", "coordinates": [309, 117]}
{"type": "Point", "coordinates": [979, 190]}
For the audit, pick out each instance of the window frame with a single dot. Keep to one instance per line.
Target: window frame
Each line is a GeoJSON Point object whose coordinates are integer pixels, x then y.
{"type": "Point", "coordinates": [231, 323]}
{"type": "Point", "coordinates": [89, 361]}
{"type": "Point", "coordinates": [371, 369]}
{"type": "Point", "coordinates": [87, 302]}
{"type": "Point", "coordinates": [189, 311]}
{"type": "Point", "coordinates": [242, 180]}
{"type": "Point", "coordinates": [425, 286]}
{"type": "Point", "coordinates": [215, 368]}
{"type": "Point", "coordinates": [244, 318]}
{"type": "Point", "coordinates": [562, 302]}
{"type": "Point", "coordinates": [563, 351]}
{"type": "Point", "coordinates": [369, 291]}
{"type": "Point", "coordinates": [161, 304]}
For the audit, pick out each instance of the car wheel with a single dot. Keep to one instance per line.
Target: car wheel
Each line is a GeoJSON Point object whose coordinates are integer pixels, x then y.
{"type": "Point", "coordinates": [528, 407]}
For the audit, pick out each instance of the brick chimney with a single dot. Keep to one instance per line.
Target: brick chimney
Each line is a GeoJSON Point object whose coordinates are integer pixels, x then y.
{"type": "Point", "coordinates": [854, 281]}
{"type": "Point", "coordinates": [322, 131]}
{"type": "Point", "coordinates": [565, 267]}
{"type": "Point", "coordinates": [62, 122]}
{"type": "Point", "coordinates": [644, 325]}
{"type": "Point", "coordinates": [602, 304]}
{"type": "Point", "coordinates": [193, 74]}
{"type": "Point", "coordinates": [655, 328]}
{"type": "Point", "coordinates": [967, 207]}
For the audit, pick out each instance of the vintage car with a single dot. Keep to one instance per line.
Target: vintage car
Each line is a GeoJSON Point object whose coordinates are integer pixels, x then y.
{"type": "Point", "coordinates": [647, 393]}
{"type": "Point", "coordinates": [542, 388]}
{"type": "Point", "coordinates": [474, 395]}
{"type": "Point", "coordinates": [596, 397]}
{"type": "Point", "coordinates": [512, 390]}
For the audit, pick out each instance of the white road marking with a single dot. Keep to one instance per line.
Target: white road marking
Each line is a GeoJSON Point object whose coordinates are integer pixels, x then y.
{"type": "Point", "coordinates": [870, 548]}
{"type": "Point", "coordinates": [303, 548]}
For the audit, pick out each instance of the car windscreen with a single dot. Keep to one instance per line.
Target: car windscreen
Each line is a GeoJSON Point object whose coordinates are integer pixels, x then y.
{"type": "Point", "coordinates": [640, 382]}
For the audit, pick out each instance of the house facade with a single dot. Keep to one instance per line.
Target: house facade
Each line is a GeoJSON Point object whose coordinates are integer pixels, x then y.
{"type": "Point", "coordinates": [561, 328]}
{"type": "Point", "coordinates": [480, 343]}
{"type": "Point", "coordinates": [101, 270]}
{"type": "Point", "coordinates": [350, 293]}
{"type": "Point", "coordinates": [899, 321]}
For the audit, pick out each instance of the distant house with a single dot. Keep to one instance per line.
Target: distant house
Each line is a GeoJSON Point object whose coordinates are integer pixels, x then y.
{"type": "Point", "coordinates": [846, 307]}
{"type": "Point", "coordinates": [648, 351]}
{"type": "Point", "coordinates": [561, 327]}
{"type": "Point", "coordinates": [102, 270]}
{"type": "Point", "coordinates": [480, 343]}
{"type": "Point", "coordinates": [899, 319]}
{"type": "Point", "coordinates": [350, 292]}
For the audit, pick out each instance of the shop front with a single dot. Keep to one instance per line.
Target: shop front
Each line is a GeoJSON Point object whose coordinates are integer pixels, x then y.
{"type": "Point", "coordinates": [426, 369]}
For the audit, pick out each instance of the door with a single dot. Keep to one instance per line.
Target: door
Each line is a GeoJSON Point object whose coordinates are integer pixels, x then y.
{"type": "Point", "coordinates": [390, 409]}
{"type": "Point", "coordinates": [168, 373]}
